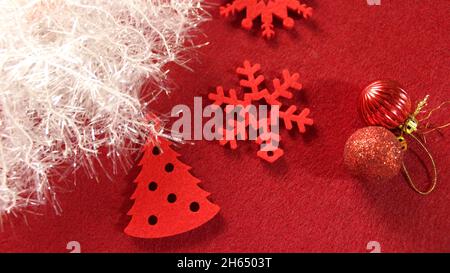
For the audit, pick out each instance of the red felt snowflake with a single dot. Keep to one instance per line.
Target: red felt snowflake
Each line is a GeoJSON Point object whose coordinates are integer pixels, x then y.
{"type": "Point", "coordinates": [267, 9]}
{"type": "Point", "coordinates": [253, 93]}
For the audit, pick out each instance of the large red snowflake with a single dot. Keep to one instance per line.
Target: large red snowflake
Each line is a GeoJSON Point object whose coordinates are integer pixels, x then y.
{"type": "Point", "coordinates": [267, 9]}
{"type": "Point", "coordinates": [254, 92]}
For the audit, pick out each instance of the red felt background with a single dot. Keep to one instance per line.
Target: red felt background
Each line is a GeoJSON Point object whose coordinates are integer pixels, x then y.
{"type": "Point", "coordinates": [305, 201]}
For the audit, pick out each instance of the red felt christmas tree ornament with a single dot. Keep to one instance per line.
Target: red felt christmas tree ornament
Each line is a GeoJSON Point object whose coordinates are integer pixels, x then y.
{"type": "Point", "coordinates": [167, 200]}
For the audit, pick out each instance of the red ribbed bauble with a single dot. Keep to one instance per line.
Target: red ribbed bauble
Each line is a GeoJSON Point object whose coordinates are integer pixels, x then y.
{"type": "Point", "coordinates": [373, 153]}
{"type": "Point", "coordinates": [384, 103]}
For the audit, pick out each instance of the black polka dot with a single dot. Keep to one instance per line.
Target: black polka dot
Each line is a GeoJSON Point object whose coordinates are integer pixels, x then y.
{"type": "Point", "coordinates": [171, 198]}
{"type": "Point", "coordinates": [169, 167]}
{"type": "Point", "coordinates": [152, 186]}
{"type": "Point", "coordinates": [152, 220]}
{"type": "Point", "coordinates": [270, 153]}
{"type": "Point", "coordinates": [194, 206]}
{"type": "Point", "coordinates": [156, 151]}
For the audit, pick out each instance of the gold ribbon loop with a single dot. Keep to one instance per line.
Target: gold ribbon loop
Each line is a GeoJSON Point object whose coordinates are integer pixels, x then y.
{"type": "Point", "coordinates": [435, 175]}
{"type": "Point", "coordinates": [408, 128]}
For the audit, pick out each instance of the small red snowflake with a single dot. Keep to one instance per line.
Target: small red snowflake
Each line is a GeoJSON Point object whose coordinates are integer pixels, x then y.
{"type": "Point", "coordinates": [267, 9]}
{"type": "Point", "coordinates": [254, 92]}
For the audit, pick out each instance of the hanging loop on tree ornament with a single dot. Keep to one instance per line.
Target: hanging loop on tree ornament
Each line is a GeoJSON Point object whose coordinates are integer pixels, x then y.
{"type": "Point", "coordinates": [409, 127]}
{"type": "Point", "coordinates": [435, 175]}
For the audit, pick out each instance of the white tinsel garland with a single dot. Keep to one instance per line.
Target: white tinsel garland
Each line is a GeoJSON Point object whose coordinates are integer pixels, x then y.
{"type": "Point", "coordinates": [70, 78]}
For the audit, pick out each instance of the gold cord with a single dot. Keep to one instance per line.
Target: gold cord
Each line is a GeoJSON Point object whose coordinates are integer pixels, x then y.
{"type": "Point", "coordinates": [408, 128]}
{"type": "Point", "coordinates": [408, 177]}
{"type": "Point", "coordinates": [428, 117]}
{"type": "Point", "coordinates": [434, 109]}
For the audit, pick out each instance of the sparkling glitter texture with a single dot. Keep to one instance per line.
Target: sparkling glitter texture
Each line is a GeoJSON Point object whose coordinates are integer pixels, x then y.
{"type": "Point", "coordinates": [373, 153]}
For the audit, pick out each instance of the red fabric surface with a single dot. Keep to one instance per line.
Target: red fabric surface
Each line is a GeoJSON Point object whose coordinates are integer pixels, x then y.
{"type": "Point", "coordinates": [305, 201]}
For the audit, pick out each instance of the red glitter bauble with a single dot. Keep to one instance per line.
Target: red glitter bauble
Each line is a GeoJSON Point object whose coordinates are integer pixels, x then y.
{"type": "Point", "coordinates": [384, 103]}
{"type": "Point", "coordinates": [373, 153]}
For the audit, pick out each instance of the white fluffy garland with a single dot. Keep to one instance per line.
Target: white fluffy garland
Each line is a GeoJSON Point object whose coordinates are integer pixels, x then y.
{"type": "Point", "coordinates": [70, 78]}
